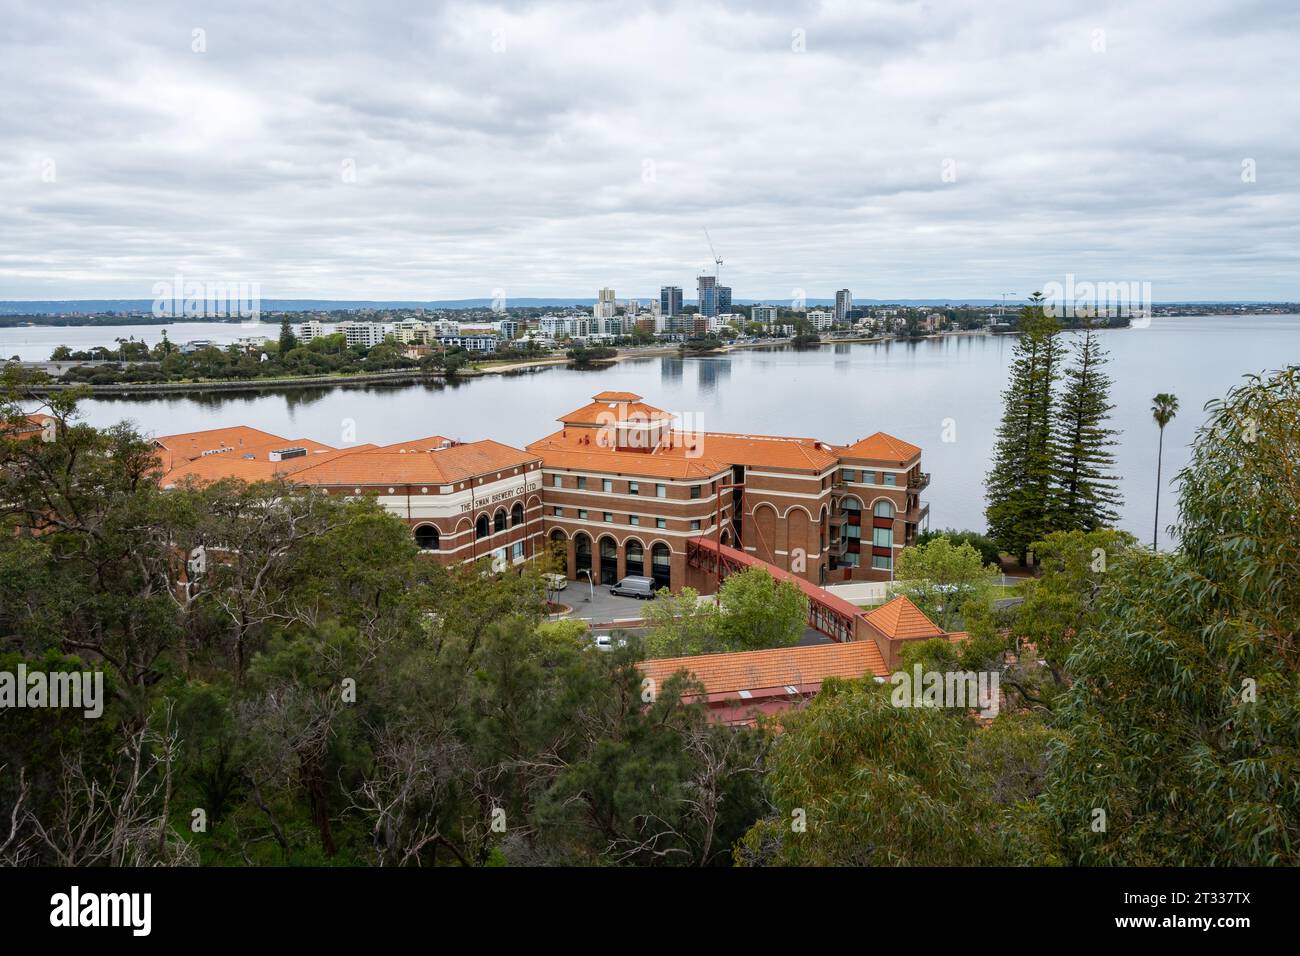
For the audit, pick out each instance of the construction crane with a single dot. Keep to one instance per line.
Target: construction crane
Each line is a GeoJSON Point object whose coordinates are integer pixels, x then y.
{"type": "Point", "coordinates": [717, 259]}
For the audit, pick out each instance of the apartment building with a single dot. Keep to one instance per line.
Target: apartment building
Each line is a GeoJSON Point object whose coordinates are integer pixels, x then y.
{"type": "Point", "coordinates": [364, 334]}
{"type": "Point", "coordinates": [620, 488]}
{"type": "Point", "coordinates": [462, 501]}
{"type": "Point", "coordinates": [625, 489]}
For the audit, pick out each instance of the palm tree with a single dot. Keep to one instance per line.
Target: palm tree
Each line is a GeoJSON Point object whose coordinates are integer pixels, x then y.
{"type": "Point", "coordinates": [1163, 409]}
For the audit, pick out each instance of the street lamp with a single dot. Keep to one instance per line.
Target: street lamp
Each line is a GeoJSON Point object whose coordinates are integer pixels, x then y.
{"type": "Point", "coordinates": [590, 583]}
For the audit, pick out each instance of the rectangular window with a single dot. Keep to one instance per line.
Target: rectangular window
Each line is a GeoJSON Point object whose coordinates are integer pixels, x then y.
{"type": "Point", "coordinates": [695, 491]}
{"type": "Point", "coordinates": [661, 491]}
{"type": "Point", "coordinates": [582, 514]}
{"type": "Point", "coordinates": [558, 512]}
{"type": "Point", "coordinates": [517, 550]}
{"type": "Point", "coordinates": [557, 482]}
{"type": "Point", "coordinates": [606, 485]}
{"type": "Point", "coordinates": [633, 519]}
{"type": "Point", "coordinates": [850, 474]}
{"type": "Point", "coordinates": [609, 518]}
{"type": "Point", "coordinates": [582, 482]}
{"type": "Point", "coordinates": [633, 488]}
{"type": "Point", "coordinates": [661, 522]}
{"type": "Point", "coordinates": [695, 525]}
{"type": "Point", "coordinates": [882, 563]}
{"type": "Point", "coordinates": [852, 531]}
{"type": "Point", "coordinates": [889, 477]}
{"type": "Point", "coordinates": [882, 537]}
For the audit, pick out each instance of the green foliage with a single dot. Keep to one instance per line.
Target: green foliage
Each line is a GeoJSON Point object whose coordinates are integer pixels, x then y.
{"type": "Point", "coordinates": [1085, 497]}
{"type": "Point", "coordinates": [877, 785]}
{"type": "Point", "coordinates": [943, 580]}
{"type": "Point", "coordinates": [753, 612]}
{"type": "Point", "coordinates": [989, 551]}
{"type": "Point", "coordinates": [1183, 719]}
{"type": "Point", "coordinates": [1020, 481]}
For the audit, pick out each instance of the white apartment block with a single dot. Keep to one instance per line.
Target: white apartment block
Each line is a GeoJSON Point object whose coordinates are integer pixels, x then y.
{"type": "Point", "coordinates": [363, 334]}
{"type": "Point", "coordinates": [311, 330]}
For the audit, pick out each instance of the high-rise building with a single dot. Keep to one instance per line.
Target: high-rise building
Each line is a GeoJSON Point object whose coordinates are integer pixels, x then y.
{"type": "Point", "coordinates": [670, 300]}
{"type": "Point", "coordinates": [843, 305]}
{"type": "Point", "coordinates": [605, 305]}
{"type": "Point", "coordinates": [763, 314]}
{"type": "Point", "coordinates": [714, 298]}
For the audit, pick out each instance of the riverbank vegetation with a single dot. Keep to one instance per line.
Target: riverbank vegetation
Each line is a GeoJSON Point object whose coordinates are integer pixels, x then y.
{"type": "Point", "coordinates": [289, 682]}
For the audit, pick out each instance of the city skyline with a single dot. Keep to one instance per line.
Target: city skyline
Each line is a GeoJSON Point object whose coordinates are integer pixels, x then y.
{"type": "Point", "coordinates": [898, 154]}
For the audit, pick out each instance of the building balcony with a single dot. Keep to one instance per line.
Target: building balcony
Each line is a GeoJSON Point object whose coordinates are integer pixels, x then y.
{"type": "Point", "coordinates": [918, 513]}
{"type": "Point", "coordinates": [919, 481]}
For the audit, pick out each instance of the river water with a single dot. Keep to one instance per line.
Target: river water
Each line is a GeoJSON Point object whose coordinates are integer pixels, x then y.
{"type": "Point", "coordinates": [836, 392]}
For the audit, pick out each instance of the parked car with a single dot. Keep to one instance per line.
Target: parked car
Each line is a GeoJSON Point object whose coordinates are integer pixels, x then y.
{"type": "Point", "coordinates": [555, 582]}
{"type": "Point", "coordinates": [634, 585]}
{"type": "Point", "coordinates": [607, 642]}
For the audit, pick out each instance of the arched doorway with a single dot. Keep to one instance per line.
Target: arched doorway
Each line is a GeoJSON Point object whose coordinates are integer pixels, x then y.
{"type": "Point", "coordinates": [560, 549]}
{"type": "Point", "coordinates": [581, 554]}
{"type": "Point", "coordinates": [635, 557]}
{"type": "Point", "coordinates": [608, 560]}
{"type": "Point", "coordinates": [661, 565]}
{"type": "Point", "coordinates": [426, 537]}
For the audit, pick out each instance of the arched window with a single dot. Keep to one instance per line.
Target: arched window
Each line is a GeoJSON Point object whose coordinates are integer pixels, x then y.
{"type": "Point", "coordinates": [426, 537]}
{"type": "Point", "coordinates": [884, 509]}
{"type": "Point", "coordinates": [661, 565]}
{"type": "Point", "coordinates": [850, 504]}
{"type": "Point", "coordinates": [499, 520]}
{"type": "Point", "coordinates": [481, 527]}
{"type": "Point", "coordinates": [608, 560]}
{"type": "Point", "coordinates": [560, 548]}
{"type": "Point", "coordinates": [516, 515]}
{"type": "Point", "coordinates": [582, 553]}
{"type": "Point", "coordinates": [635, 558]}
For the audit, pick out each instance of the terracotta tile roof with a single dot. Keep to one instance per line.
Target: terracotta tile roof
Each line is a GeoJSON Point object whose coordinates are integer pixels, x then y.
{"type": "Point", "coordinates": [419, 444]}
{"type": "Point", "coordinates": [616, 397]}
{"type": "Point", "coordinates": [558, 451]}
{"type": "Point", "coordinates": [770, 451]}
{"type": "Point", "coordinates": [191, 445]}
{"type": "Point", "coordinates": [881, 447]}
{"type": "Point", "coordinates": [901, 619]}
{"type": "Point", "coordinates": [608, 412]}
{"type": "Point", "coordinates": [261, 468]}
{"type": "Point", "coordinates": [779, 667]}
{"type": "Point", "coordinates": [383, 466]}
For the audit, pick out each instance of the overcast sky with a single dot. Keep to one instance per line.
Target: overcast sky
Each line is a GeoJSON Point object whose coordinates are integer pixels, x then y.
{"type": "Point", "coordinates": [546, 149]}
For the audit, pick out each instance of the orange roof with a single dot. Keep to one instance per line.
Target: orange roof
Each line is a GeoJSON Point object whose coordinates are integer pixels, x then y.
{"type": "Point", "coordinates": [557, 451]}
{"type": "Point", "coordinates": [611, 412]}
{"type": "Point", "coordinates": [616, 397]}
{"type": "Point", "coordinates": [778, 667]}
{"type": "Point", "coordinates": [191, 445]}
{"type": "Point", "coordinates": [258, 468]}
{"type": "Point", "coordinates": [900, 618]}
{"type": "Point", "coordinates": [419, 444]}
{"type": "Point", "coordinates": [768, 451]}
{"type": "Point", "coordinates": [383, 466]}
{"type": "Point", "coordinates": [881, 447]}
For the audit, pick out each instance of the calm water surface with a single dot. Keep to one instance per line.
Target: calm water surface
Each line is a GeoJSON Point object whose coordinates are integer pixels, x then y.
{"type": "Point", "coordinates": [837, 392]}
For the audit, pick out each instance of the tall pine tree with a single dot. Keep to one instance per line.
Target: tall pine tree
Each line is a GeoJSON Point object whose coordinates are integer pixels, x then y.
{"type": "Point", "coordinates": [1086, 496]}
{"type": "Point", "coordinates": [1020, 483]}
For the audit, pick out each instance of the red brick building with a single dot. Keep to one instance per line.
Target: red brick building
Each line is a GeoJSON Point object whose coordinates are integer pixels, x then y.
{"type": "Point", "coordinates": [619, 489]}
